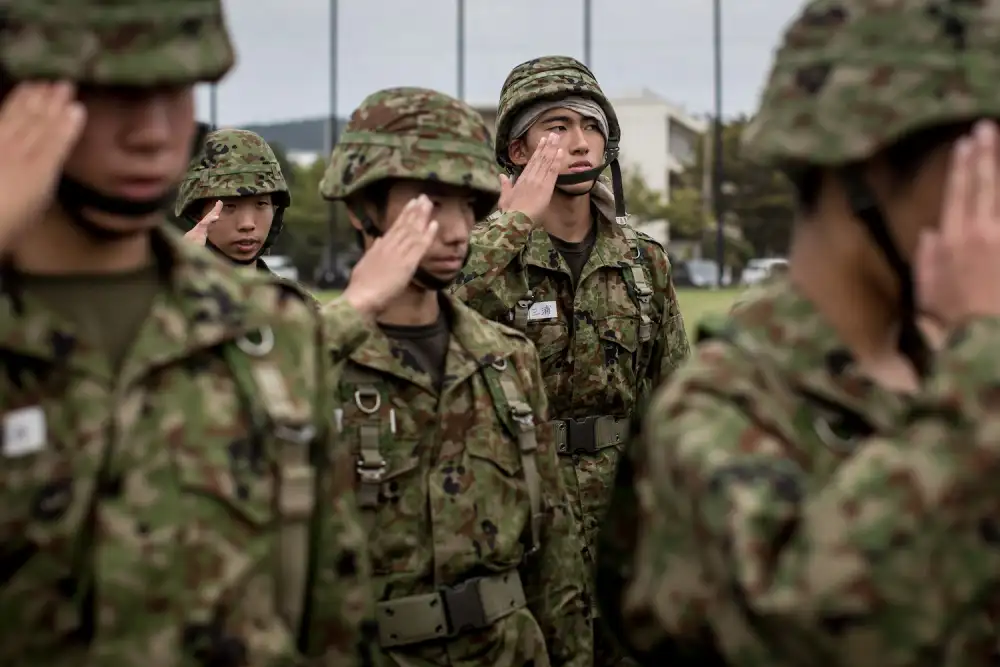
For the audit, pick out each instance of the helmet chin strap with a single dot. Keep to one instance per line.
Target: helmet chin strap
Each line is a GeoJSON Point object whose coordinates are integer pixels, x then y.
{"type": "Point", "coordinates": [76, 197]}
{"type": "Point", "coordinates": [617, 184]}
{"type": "Point", "coordinates": [421, 277]}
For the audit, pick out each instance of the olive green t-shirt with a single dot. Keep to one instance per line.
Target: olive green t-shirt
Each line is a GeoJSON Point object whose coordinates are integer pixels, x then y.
{"type": "Point", "coordinates": [108, 309]}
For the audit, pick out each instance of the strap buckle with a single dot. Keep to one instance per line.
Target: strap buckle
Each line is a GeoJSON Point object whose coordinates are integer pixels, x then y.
{"type": "Point", "coordinates": [463, 607]}
{"type": "Point", "coordinates": [581, 435]}
{"type": "Point", "coordinates": [371, 473]}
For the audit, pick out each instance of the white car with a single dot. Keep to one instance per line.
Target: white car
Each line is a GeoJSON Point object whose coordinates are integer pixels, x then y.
{"type": "Point", "coordinates": [282, 267]}
{"type": "Point", "coordinates": [758, 270]}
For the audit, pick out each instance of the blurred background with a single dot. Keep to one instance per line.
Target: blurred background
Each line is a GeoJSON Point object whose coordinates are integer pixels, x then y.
{"type": "Point", "coordinates": [683, 75]}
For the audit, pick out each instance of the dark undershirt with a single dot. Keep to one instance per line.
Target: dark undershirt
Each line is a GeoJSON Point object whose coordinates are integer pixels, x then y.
{"type": "Point", "coordinates": [577, 253]}
{"type": "Point", "coordinates": [107, 309]}
{"type": "Point", "coordinates": [424, 347]}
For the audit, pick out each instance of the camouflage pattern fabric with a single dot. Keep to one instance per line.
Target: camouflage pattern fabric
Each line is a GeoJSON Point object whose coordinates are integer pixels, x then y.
{"type": "Point", "coordinates": [453, 502]}
{"type": "Point", "coordinates": [782, 509]}
{"type": "Point", "coordinates": [853, 76]}
{"type": "Point", "coordinates": [233, 163]}
{"type": "Point", "coordinates": [115, 42]}
{"type": "Point", "coordinates": [142, 516]}
{"type": "Point", "coordinates": [592, 359]}
{"type": "Point", "coordinates": [417, 134]}
{"type": "Point", "coordinates": [791, 512]}
{"type": "Point", "coordinates": [548, 77]}
{"type": "Point", "coordinates": [454, 494]}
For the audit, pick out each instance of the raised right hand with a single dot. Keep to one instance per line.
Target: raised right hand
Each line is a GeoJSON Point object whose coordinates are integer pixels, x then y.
{"type": "Point", "coordinates": [958, 266]}
{"type": "Point", "coordinates": [533, 190]}
{"type": "Point", "coordinates": [39, 125]}
{"type": "Point", "coordinates": [388, 266]}
{"type": "Point", "coordinates": [199, 233]}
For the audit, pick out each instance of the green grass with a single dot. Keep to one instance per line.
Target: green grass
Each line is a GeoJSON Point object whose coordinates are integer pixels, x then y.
{"type": "Point", "coordinates": [697, 303]}
{"type": "Point", "coordinates": [694, 303]}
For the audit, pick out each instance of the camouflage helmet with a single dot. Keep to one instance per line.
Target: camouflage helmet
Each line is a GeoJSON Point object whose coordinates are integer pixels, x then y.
{"type": "Point", "coordinates": [417, 134]}
{"type": "Point", "coordinates": [115, 42]}
{"type": "Point", "coordinates": [233, 163]}
{"type": "Point", "coordinates": [853, 77]}
{"type": "Point", "coordinates": [549, 77]}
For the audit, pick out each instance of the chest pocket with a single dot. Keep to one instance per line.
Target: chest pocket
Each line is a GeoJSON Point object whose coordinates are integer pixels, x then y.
{"type": "Point", "coordinates": [294, 447]}
{"type": "Point", "coordinates": [515, 413]}
{"type": "Point", "coordinates": [636, 279]}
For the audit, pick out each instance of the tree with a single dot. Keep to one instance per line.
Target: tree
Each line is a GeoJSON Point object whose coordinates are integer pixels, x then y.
{"type": "Point", "coordinates": [686, 213]}
{"type": "Point", "coordinates": [644, 203]}
{"type": "Point", "coordinates": [307, 233]}
{"type": "Point", "coordinates": [756, 199]}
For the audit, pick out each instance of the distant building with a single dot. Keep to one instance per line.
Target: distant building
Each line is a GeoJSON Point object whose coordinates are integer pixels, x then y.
{"type": "Point", "coordinates": [659, 139]}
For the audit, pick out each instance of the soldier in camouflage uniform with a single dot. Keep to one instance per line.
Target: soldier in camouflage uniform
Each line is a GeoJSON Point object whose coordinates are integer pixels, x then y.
{"type": "Point", "coordinates": [818, 486]}
{"type": "Point", "coordinates": [475, 555]}
{"type": "Point", "coordinates": [234, 197]}
{"type": "Point", "coordinates": [168, 472]}
{"type": "Point", "coordinates": [594, 295]}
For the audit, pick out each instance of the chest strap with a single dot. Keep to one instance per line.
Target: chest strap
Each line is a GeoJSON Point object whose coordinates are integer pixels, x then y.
{"type": "Point", "coordinates": [520, 418]}
{"type": "Point", "coordinates": [370, 397]}
{"type": "Point", "coordinates": [266, 401]}
{"type": "Point", "coordinates": [588, 435]}
{"type": "Point", "coordinates": [450, 611]}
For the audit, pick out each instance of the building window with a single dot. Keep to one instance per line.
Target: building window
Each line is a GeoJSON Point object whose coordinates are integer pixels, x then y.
{"type": "Point", "coordinates": [681, 143]}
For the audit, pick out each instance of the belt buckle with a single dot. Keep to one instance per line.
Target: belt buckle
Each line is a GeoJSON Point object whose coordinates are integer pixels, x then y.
{"type": "Point", "coordinates": [581, 435]}
{"type": "Point", "coordinates": [463, 606]}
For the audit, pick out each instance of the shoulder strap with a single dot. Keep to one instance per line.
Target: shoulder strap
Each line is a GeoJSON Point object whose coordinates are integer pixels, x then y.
{"type": "Point", "coordinates": [265, 400]}
{"type": "Point", "coordinates": [635, 275]}
{"type": "Point", "coordinates": [514, 411]}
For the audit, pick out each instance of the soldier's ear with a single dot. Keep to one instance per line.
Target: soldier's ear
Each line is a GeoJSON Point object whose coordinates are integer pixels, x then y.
{"type": "Point", "coordinates": [518, 152]}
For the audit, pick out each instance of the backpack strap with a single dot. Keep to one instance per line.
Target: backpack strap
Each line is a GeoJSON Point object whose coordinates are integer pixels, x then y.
{"type": "Point", "coordinates": [367, 390]}
{"type": "Point", "coordinates": [514, 411]}
{"type": "Point", "coordinates": [638, 280]}
{"type": "Point", "coordinates": [294, 445]}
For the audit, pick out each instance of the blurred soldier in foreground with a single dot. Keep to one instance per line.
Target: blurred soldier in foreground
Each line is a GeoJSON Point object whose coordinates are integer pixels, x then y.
{"type": "Point", "coordinates": [560, 263]}
{"type": "Point", "coordinates": [819, 487]}
{"type": "Point", "coordinates": [168, 470]}
{"type": "Point", "coordinates": [475, 554]}
{"type": "Point", "coordinates": [234, 197]}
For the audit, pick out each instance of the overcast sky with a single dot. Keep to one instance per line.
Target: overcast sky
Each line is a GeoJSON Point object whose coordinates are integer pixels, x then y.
{"type": "Point", "coordinates": [283, 69]}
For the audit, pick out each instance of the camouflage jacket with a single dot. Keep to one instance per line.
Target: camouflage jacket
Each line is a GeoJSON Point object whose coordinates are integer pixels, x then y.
{"type": "Point", "coordinates": [598, 356]}
{"type": "Point", "coordinates": [787, 511]}
{"type": "Point", "coordinates": [260, 265]}
{"type": "Point", "coordinates": [168, 516]}
{"type": "Point", "coordinates": [452, 499]}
